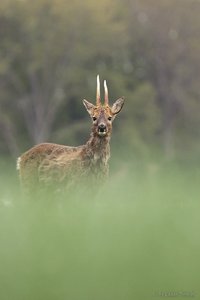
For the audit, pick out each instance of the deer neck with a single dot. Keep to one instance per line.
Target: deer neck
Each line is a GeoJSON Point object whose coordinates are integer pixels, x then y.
{"type": "Point", "coordinates": [98, 148]}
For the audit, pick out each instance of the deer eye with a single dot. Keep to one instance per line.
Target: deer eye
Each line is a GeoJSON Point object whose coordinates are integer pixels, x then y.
{"type": "Point", "coordinates": [94, 118]}
{"type": "Point", "coordinates": [109, 118]}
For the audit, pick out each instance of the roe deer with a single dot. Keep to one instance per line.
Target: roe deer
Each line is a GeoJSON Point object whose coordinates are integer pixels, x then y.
{"type": "Point", "coordinates": [47, 163]}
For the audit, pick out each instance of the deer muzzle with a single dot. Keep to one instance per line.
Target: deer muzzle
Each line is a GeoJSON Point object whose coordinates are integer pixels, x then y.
{"type": "Point", "coordinates": [102, 129]}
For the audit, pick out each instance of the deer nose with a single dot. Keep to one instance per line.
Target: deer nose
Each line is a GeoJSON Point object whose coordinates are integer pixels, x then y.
{"type": "Point", "coordinates": [102, 129]}
{"type": "Point", "coordinates": [102, 126]}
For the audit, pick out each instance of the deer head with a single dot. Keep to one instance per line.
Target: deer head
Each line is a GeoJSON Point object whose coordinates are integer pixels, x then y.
{"type": "Point", "coordinates": [103, 115]}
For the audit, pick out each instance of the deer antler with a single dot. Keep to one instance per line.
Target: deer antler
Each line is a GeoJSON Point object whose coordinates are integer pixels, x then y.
{"type": "Point", "coordinates": [106, 93]}
{"type": "Point", "coordinates": [98, 100]}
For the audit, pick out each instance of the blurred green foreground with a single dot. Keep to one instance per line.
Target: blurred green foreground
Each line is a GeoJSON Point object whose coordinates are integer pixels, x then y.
{"type": "Point", "coordinates": [137, 238]}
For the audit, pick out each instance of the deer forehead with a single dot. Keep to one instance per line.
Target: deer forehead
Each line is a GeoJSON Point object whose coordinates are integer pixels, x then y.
{"type": "Point", "coordinates": [102, 111]}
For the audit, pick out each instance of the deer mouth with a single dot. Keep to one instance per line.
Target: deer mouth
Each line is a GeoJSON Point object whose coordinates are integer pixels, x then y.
{"type": "Point", "coordinates": [102, 131]}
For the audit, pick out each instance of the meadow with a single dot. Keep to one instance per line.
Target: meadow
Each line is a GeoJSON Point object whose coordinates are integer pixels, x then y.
{"type": "Point", "coordinates": [136, 238]}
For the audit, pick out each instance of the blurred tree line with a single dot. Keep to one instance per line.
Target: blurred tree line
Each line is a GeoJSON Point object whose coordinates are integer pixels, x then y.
{"type": "Point", "coordinates": [148, 50]}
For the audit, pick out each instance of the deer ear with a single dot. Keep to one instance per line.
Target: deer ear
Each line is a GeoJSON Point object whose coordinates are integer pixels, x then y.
{"type": "Point", "coordinates": [117, 106]}
{"type": "Point", "coordinates": [89, 106]}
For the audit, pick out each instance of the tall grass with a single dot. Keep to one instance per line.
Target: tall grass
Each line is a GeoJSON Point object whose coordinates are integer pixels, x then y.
{"type": "Point", "coordinates": [137, 238]}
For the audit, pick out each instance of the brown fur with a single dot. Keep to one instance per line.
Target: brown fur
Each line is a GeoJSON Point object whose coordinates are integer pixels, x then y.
{"type": "Point", "coordinates": [51, 164]}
